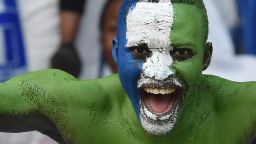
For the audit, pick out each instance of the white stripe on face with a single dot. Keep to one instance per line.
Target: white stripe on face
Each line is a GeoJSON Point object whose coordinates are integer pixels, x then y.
{"type": "Point", "coordinates": [150, 23]}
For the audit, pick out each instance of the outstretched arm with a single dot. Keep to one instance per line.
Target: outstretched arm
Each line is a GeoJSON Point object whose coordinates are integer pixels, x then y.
{"type": "Point", "coordinates": [27, 103]}
{"type": "Point", "coordinates": [15, 108]}
{"type": "Point", "coordinates": [55, 102]}
{"type": "Point", "coordinates": [66, 57]}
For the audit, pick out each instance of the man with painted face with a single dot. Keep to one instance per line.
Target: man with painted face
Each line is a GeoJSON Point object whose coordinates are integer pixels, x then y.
{"type": "Point", "coordinates": [161, 97]}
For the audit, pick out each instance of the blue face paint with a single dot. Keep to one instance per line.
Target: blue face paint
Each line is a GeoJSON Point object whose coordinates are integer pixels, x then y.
{"type": "Point", "coordinates": [128, 67]}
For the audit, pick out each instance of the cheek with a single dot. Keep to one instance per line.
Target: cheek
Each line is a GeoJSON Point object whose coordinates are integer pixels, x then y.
{"type": "Point", "coordinates": [129, 67]}
{"type": "Point", "coordinates": [189, 71]}
{"type": "Point", "coordinates": [129, 72]}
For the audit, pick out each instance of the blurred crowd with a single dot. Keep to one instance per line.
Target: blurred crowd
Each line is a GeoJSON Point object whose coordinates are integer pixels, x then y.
{"type": "Point", "coordinates": [76, 36]}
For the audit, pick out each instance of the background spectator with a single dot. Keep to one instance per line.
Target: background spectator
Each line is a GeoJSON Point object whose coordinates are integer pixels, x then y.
{"type": "Point", "coordinates": [108, 25]}
{"type": "Point", "coordinates": [67, 58]}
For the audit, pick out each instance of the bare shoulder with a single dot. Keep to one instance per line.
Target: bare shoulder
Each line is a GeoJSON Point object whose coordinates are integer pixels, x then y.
{"type": "Point", "coordinates": [107, 91]}
{"type": "Point", "coordinates": [234, 105]}
{"type": "Point", "coordinates": [239, 97]}
{"type": "Point", "coordinates": [228, 86]}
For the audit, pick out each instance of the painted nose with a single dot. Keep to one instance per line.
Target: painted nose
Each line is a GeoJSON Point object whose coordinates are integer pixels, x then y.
{"type": "Point", "coordinates": [158, 65]}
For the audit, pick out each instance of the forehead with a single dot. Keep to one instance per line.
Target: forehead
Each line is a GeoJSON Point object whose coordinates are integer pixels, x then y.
{"type": "Point", "coordinates": [161, 24]}
{"type": "Point", "coordinates": [149, 23]}
{"type": "Point", "coordinates": [190, 26]}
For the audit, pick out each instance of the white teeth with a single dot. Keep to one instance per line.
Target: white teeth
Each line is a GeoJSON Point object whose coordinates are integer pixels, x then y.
{"type": "Point", "coordinates": [160, 90]}
{"type": "Point", "coordinates": [155, 91]}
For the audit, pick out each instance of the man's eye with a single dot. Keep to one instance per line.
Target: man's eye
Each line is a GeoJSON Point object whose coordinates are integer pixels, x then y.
{"type": "Point", "coordinates": [181, 54]}
{"type": "Point", "coordinates": [140, 52]}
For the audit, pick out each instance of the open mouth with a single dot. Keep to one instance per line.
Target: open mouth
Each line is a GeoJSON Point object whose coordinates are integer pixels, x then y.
{"type": "Point", "coordinates": [160, 101]}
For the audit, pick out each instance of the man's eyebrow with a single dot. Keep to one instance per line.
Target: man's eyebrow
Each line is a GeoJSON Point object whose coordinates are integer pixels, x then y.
{"type": "Point", "coordinates": [142, 45]}
{"type": "Point", "coordinates": [183, 44]}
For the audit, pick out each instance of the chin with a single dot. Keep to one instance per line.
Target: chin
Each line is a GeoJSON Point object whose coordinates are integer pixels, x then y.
{"type": "Point", "coordinates": [159, 103]}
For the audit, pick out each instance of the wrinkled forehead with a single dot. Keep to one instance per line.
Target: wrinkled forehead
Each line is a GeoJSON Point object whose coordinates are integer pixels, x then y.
{"type": "Point", "coordinates": [150, 23]}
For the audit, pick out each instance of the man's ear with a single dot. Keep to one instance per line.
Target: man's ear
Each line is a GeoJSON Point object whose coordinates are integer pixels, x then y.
{"type": "Point", "coordinates": [115, 49]}
{"type": "Point", "coordinates": [207, 55]}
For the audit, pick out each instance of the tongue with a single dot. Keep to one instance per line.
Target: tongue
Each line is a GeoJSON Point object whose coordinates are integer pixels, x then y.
{"type": "Point", "coordinates": [159, 104]}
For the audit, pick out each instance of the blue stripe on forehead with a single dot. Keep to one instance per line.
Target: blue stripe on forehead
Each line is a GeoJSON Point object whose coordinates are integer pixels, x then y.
{"type": "Point", "coordinates": [129, 81]}
{"type": "Point", "coordinates": [121, 20]}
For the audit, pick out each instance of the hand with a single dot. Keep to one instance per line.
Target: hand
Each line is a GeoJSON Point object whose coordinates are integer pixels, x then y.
{"type": "Point", "coordinates": [67, 59]}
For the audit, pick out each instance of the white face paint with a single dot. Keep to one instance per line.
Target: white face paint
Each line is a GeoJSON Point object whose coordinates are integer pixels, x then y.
{"type": "Point", "coordinates": [160, 127]}
{"type": "Point", "coordinates": [150, 23]}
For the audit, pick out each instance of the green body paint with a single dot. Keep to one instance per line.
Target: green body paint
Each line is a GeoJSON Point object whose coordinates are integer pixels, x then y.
{"type": "Point", "coordinates": [96, 111]}
{"type": "Point", "coordinates": [213, 110]}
